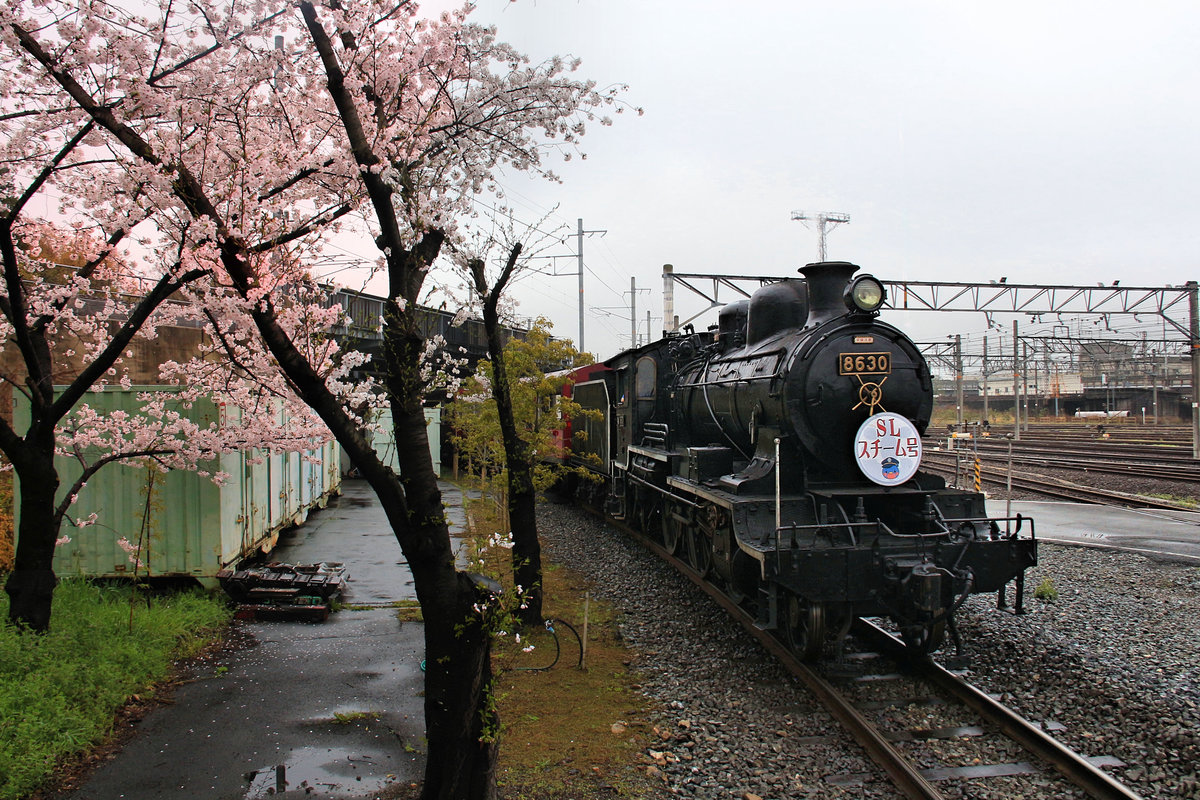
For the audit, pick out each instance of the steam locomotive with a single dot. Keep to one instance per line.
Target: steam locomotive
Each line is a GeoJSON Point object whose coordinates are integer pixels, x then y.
{"type": "Point", "coordinates": [779, 454]}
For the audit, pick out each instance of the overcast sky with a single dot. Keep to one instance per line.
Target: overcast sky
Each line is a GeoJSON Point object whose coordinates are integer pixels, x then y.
{"type": "Point", "coordinates": [1046, 142]}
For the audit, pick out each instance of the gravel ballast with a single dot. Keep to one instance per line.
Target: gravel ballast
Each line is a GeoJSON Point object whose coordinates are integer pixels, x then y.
{"type": "Point", "coordinates": [1114, 658]}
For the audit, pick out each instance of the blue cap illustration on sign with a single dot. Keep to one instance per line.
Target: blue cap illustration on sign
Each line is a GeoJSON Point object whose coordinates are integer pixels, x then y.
{"type": "Point", "coordinates": [890, 468]}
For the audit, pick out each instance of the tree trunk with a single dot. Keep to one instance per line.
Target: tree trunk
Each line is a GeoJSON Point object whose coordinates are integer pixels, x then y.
{"type": "Point", "coordinates": [30, 587]}
{"type": "Point", "coordinates": [527, 547]}
{"type": "Point", "coordinates": [460, 717]}
{"type": "Point", "coordinates": [522, 499]}
{"type": "Point", "coordinates": [462, 726]}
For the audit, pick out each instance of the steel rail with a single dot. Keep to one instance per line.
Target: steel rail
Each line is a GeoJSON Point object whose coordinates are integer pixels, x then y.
{"type": "Point", "coordinates": [906, 777]}
{"type": "Point", "coordinates": [1166, 473]}
{"type": "Point", "coordinates": [1151, 471]}
{"type": "Point", "coordinates": [1071, 765]}
{"type": "Point", "coordinates": [1078, 493]}
{"type": "Point", "coordinates": [1136, 469]}
{"type": "Point", "coordinates": [1108, 450]}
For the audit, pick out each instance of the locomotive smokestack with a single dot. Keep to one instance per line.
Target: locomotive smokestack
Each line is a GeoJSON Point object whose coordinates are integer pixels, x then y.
{"type": "Point", "coordinates": [827, 281]}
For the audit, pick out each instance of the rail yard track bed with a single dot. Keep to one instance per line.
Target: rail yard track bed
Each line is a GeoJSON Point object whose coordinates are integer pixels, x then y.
{"type": "Point", "coordinates": [1049, 463]}
{"type": "Point", "coordinates": [1111, 667]}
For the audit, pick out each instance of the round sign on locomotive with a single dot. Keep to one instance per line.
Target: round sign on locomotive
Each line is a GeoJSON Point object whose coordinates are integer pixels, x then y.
{"type": "Point", "coordinates": [888, 449]}
{"type": "Point", "coordinates": [779, 454]}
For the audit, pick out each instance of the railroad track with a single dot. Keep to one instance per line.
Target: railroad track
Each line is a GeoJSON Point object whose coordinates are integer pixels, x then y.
{"type": "Point", "coordinates": [1164, 471]}
{"type": "Point", "coordinates": [1052, 487]}
{"type": "Point", "coordinates": [924, 683]}
{"type": "Point", "coordinates": [1066, 454]}
{"type": "Point", "coordinates": [1100, 454]}
{"type": "Point", "coordinates": [909, 777]}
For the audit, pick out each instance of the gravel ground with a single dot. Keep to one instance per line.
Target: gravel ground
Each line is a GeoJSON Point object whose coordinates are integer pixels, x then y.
{"type": "Point", "coordinates": [1114, 658]}
{"type": "Point", "coordinates": [737, 725]}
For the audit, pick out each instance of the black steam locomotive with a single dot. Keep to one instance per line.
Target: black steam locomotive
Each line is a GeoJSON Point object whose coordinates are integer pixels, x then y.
{"type": "Point", "coordinates": [779, 454]}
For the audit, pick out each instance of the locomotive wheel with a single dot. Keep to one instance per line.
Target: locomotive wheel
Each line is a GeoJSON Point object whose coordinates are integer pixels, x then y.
{"type": "Point", "coordinates": [925, 639]}
{"type": "Point", "coordinates": [699, 551]}
{"type": "Point", "coordinates": [670, 532]}
{"type": "Point", "coordinates": [803, 625]}
{"type": "Point", "coordinates": [651, 513]}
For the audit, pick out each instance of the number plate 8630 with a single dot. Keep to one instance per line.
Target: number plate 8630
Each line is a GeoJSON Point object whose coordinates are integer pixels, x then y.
{"type": "Point", "coordinates": [864, 363]}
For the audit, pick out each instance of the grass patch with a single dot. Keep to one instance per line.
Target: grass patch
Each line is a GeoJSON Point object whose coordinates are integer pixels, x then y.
{"type": "Point", "coordinates": [406, 610]}
{"type": "Point", "coordinates": [59, 691]}
{"type": "Point", "coordinates": [567, 731]}
{"type": "Point", "coordinates": [7, 537]}
{"type": "Point", "coordinates": [1172, 498]}
{"type": "Point", "coordinates": [350, 717]}
{"type": "Point", "coordinates": [409, 611]}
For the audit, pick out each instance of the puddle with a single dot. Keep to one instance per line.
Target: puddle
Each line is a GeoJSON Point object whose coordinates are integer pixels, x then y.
{"type": "Point", "coordinates": [357, 501]}
{"type": "Point", "coordinates": [324, 771]}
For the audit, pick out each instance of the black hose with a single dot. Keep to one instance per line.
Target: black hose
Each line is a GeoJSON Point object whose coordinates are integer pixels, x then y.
{"type": "Point", "coordinates": [557, 647]}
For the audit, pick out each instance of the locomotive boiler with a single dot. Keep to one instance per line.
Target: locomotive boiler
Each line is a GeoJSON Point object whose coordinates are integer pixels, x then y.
{"type": "Point", "coordinates": [779, 454]}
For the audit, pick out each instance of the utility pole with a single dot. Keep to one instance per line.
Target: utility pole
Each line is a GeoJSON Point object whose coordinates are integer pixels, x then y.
{"type": "Point", "coordinates": [1193, 290]}
{"type": "Point", "coordinates": [633, 292]}
{"type": "Point", "coordinates": [1016, 384]}
{"type": "Point", "coordinates": [579, 254]}
{"type": "Point", "coordinates": [823, 219]}
{"type": "Point", "coordinates": [985, 380]}
{"type": "Point", "coordinates": [632, 311]}
{"type": "Point", "coordinates": [620, 311]}
{"type": "Point", "coordinates": [1025, 384]}
{"type": "Point", "coordinates": [958, 376]}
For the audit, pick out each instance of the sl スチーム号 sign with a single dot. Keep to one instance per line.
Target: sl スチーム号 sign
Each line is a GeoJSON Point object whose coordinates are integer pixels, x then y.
{"type": "Point", "coordinates": [888, 449]}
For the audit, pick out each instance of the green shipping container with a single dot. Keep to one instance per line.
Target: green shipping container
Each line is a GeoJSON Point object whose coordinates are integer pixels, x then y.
{"type": "Point", "coordinates": [188, 525]}
{"type": "Point", "coordinates": [384, 441]}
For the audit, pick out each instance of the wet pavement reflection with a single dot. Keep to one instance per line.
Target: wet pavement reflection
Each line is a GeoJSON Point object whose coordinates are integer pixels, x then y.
{"type": "Point", "coordinates": [332, 710]}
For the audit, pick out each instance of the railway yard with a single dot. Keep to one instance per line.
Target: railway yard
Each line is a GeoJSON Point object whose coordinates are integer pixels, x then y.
{"type": "Point", "coordinates": [1105, 660]}
{"type": "Point", "coordinates": [1124, 465]}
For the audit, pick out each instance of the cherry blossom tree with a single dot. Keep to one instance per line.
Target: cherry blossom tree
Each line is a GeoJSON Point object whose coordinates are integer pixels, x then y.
{"type": "Point", "coordinates": [515, 399]}
{"type": "Point", "coordinates": [47, 322]}
{"type": "Point", "coordinates": [74, 315]}
{"type": "Point", "coordinates": [517, 436]}
{"type": "Point", "coordinates": [521, 495]}
{"type": "Point", "coordinates": [239, 142]}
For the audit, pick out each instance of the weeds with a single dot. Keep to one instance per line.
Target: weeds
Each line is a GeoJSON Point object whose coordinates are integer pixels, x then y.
{"type": "Point", "coordinates": [6, 522]}
{"type": "Point", "coordinates": [557, 723]}
{"type": "Point", "coordinates": [60, 690]}
{"type": "Point", "coordinates": [1174, 498]}
{"type": "Point", "coordinates": [350, 717]}
{"type": "Point", "coordinates": [1046, 590]}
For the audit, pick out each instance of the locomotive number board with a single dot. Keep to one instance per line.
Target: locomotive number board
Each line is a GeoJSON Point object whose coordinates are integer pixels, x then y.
{"type": "Point", "coordinates": [864, 364]}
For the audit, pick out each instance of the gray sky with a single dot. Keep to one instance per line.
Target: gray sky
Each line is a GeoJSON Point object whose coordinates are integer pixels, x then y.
{"type": "Point", "coordinates": [1047, 142]}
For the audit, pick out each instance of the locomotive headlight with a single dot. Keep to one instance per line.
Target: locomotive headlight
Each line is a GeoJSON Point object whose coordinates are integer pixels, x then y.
{"type": "Point", "coordinates": [865, 293]}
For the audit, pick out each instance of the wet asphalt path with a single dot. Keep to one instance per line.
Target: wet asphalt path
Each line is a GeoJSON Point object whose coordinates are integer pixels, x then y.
{"type": "Point", "coordinates": [1169, 535]}
{"type": "Point", "coordinates": [332, 709]}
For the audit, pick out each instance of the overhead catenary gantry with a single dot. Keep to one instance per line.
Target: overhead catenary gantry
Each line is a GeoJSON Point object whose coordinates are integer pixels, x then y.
{"type": "Point", "coordinates": [993, 297]}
